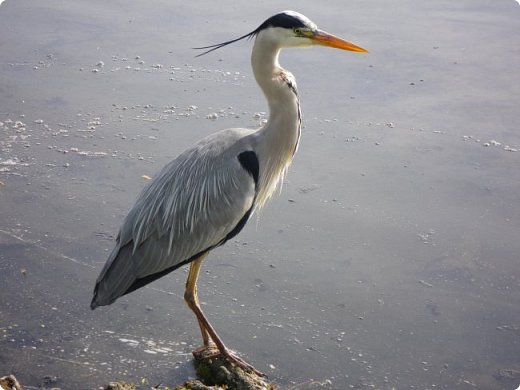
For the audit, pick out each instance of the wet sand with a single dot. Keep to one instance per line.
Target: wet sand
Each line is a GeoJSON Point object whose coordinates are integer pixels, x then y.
{"type": "Point", "coordinates": [390, 259]}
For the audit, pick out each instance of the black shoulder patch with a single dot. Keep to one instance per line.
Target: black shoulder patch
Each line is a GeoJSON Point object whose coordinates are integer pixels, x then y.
{"type": "Point", "coordinates": [249, 162]}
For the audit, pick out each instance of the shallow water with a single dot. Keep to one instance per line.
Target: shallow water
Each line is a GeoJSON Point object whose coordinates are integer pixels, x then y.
{"type": "Point", "coordinates": [390, 259]}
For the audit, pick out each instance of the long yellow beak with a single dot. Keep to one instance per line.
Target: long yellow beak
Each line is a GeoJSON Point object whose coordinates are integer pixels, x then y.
{"type": "Point", "coordinates": [325, 39]}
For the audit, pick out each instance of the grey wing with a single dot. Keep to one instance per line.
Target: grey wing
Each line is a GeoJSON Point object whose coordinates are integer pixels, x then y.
{"type": "Point", "coordinates": [196, 203]}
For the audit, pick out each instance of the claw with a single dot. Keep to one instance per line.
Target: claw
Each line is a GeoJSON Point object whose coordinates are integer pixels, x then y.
{"type": "Point", "coordinates": [234, 359]}
{"type": "Point", "coordinates": [211, 351]}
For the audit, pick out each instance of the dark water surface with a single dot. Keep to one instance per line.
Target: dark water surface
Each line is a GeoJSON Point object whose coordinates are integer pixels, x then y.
{"type": "Point", "coordinates": [391, 257]}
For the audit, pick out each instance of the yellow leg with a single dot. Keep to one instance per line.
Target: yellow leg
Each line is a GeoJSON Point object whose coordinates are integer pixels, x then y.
{"type": "Point", "coordinates": [192, 297]}
{"type": "Point", "coordinates": [209, 334]}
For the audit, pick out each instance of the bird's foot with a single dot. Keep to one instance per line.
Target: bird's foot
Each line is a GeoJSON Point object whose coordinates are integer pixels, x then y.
{"type": "Point", "coordinates": [206, 351]}
{"type": "Point", "coordinates": [211, 351]}
{"type": "Point", "coordinates": [236, 360]}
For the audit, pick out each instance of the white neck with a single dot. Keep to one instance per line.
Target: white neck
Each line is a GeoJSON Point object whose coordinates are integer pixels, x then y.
{"type": "Point", "coordinates": [278, 138]}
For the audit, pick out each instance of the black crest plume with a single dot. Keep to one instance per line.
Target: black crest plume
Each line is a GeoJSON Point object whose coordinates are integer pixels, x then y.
{"type": "Point", "coordinates": [283, 20]}
{"type": "Point", "coordinates": [219, 45]}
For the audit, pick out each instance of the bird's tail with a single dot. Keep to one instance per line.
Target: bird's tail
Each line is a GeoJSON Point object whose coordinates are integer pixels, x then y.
{"type": "Point", "coordinates": [95, 303]}
{"type": "Point", "coordinates": [115, 278]}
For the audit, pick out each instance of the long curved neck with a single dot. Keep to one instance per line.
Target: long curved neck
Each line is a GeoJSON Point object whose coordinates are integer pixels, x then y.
{"type": "Point", "coordinates": [277, 84]}
{"type": "Point", "coordinates": [278, 138]}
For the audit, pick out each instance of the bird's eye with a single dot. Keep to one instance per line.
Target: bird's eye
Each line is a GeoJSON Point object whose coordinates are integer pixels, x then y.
{"type": "Point", "coordinates": [298, 31]}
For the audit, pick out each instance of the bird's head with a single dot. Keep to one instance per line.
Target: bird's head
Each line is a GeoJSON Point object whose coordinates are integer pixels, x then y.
{"type": "Point", "coordinates": [292, 29]}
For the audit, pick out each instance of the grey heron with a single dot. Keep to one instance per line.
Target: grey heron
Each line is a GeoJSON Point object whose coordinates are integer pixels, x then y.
{"type": "Point", "coordinates": [205, 196]}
